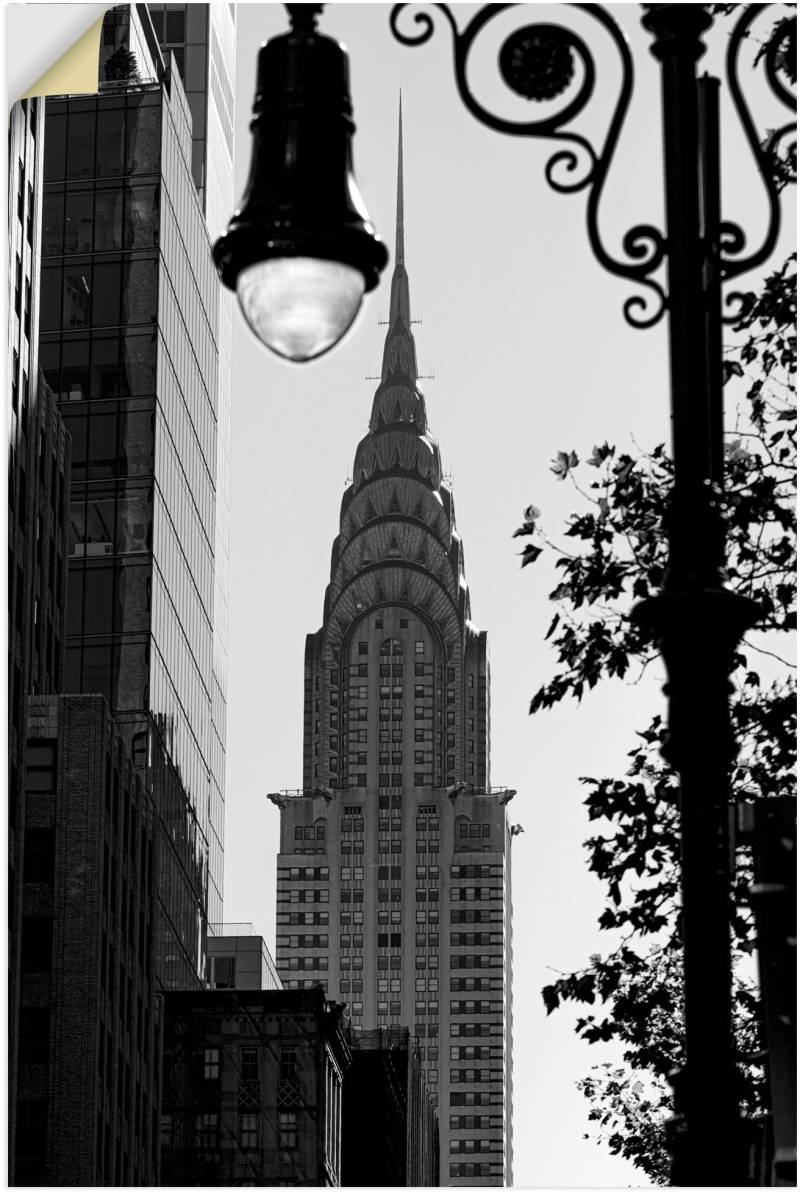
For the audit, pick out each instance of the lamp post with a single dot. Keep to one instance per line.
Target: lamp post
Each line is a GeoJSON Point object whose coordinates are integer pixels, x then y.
{"type": "Point", "coordinates": [696, 621]}
{"type": "Point", "coordinates": [300, 251]}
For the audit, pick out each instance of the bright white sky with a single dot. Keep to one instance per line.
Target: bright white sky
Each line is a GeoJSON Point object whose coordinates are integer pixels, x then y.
{"type": "Point", "coordinates": [531, 355]}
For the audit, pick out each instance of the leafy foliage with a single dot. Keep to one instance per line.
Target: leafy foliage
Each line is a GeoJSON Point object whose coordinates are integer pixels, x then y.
{"type": "Point", "coordinates": [122, 66]}
{"type": "Point", "coordinates": [612, 554]}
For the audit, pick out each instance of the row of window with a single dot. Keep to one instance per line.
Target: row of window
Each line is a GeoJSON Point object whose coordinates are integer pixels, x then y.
{"type": "Point", "coordinates": [475, 1146]}
{"type": "Point", "coordinates": [303, 874]}
{"type": "Point", "coordinates": [475, 1075]}
{"type": "Point", "coordinates": [483, 1006]}
{"type": "Point", "coordinates": [302, 918]}
{"type": "Point", "coordinates": [475, 984]}
{"type": "Point", "coordinates": [469, 1171]}
{"type": "Point", "coordinates": [310, 832]}
{"type": "Point", "coordinates": [475, 893]}
{"type": "Point", "coordinates": [207, 1130]}
{"type": "Point", "coordinates": [479, 960]}
{"type": "Point", "coordinates": [475, 1030]}
{"type": "Point", "coordinates": [305, 963]}
{"type": "Point", "coordinates": [302, 941]}
{"type": "Point", "coordinates": [474, 939]}
{"type": "Point", "coordinates": [466, 871]}
{"type": "Point", "coordinates": [303, 895]}
{"type": "Point", "coordinates": [473, 916]}
{"type": "Point", "coordinates": [470, 1052]}
{"type": "Point", "coordinates": [473, 830]}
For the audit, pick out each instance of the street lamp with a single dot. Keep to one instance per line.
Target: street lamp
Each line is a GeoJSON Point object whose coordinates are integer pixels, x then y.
{"type": "Point", "coordinates": [300, 251]}
{"type": "Point", "coordinates": [696, 620]}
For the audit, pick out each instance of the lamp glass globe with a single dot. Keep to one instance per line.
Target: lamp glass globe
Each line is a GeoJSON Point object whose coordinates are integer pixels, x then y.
{"type": "Point", "coordinates": [300, 306]}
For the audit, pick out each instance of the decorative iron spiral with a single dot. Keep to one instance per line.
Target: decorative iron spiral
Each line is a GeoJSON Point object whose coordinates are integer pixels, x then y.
{"type": "Point", "coordinates": [541, 62]}
{"type": "Point", "coordinates": [538, 62]}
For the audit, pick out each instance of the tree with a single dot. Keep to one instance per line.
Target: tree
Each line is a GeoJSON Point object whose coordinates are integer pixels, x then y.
{"type": "Point", "coordinates": [610, 555]}
{"type": "Point", "coordinates": [122, 66]}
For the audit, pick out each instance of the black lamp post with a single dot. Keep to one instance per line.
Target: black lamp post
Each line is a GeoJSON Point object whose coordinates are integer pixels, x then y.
{"type": "Point", "coordinates": [696, 620]}
{"type": "Point", "coordinates": [300, 251]}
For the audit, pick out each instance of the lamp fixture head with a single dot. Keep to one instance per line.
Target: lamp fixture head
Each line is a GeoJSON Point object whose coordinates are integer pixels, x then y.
{"type": "Point", "coordinates": [300, 250]}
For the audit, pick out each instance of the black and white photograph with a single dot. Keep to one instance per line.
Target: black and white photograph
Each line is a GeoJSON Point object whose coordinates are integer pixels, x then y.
{"type": "Point", "coordinates": [401, 595]}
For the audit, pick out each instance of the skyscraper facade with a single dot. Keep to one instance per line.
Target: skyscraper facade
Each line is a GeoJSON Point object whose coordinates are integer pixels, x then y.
{"type": "Point", "coordinates": [120, 339]}
{"type": "Point", "coordinates": [394, 873]}
{"type": "Point", "coordinates": [134, 342]}
{"type": "Point", "coordinates": [38, 489]}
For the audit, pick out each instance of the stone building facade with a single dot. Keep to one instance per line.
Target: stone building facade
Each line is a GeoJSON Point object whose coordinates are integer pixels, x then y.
{"type": "Point", "coordinates": [394, 873]}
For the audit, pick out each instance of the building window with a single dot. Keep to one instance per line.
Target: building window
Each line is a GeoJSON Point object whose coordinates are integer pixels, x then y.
{"type": "Point", "coordinates": [206, 1127]}
{"type": "Point", "coordinates": [211, 1063]}
{"type": "Point", "coordinates": [248, 1130]}
{"type": "Point", "coordinates": [248, 1063]}
{"type": "Point", "coordinates": [419, 647]}
{"type": "Point", "coordinates": [287, 1130]}
{"type": "Point", "coordinates": [288, 1063]}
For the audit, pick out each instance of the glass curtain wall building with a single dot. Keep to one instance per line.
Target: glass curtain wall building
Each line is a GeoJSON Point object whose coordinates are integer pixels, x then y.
{"type": "Point", "coordinates": [394, 877]}
{"type": "Point", "coordinates": [135, 343]}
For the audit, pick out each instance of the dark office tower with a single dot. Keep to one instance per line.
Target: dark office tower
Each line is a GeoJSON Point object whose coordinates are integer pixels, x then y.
{"type": "Point", "coordinates": [407, 892]}
{"type": "Point", "coordinates": [87, 1087]}
{"type": "Point", "coordinates": [38, 476]}
{"type": "Point", "coordinates": [134, 341]}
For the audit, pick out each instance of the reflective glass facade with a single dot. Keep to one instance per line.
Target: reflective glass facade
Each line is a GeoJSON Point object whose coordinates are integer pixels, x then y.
{"type": "Point", "coordinates": [130, 343]}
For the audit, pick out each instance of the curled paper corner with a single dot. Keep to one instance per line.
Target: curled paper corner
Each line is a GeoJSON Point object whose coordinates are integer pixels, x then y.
{"type": "Point", "coordinates": [76, 72]}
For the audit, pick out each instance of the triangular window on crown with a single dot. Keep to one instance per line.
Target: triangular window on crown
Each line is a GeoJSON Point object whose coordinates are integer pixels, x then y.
{"type": "Point", "coordinates": [394, 548]}
{"type": "Point", "coordinates": [394, 504]}
{"type": "Point", "coordinates": [371, 514]}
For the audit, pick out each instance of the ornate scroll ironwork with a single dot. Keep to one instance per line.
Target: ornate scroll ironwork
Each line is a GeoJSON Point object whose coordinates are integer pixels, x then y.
{"type": "Point", "coordinates": [777, 54]}
{"type": "Point", "coordinates": [581, 165]}
{"type": "Point", "coordinates": [538, 62]}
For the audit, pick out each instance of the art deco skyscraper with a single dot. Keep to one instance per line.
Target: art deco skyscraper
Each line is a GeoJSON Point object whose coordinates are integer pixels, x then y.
{"type": "Point", "coordinates": [394, 871]}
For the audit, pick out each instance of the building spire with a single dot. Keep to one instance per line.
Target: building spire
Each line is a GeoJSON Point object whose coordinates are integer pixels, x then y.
{"type": "Point", "coordinates": [399, 354]}
{"type": "Point", "coordinates": [399, 250]}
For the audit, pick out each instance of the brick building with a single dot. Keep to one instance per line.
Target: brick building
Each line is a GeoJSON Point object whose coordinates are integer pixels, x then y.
{"type": "Point", "coordinates": [252, 1088]}
{"type": "Point", "coordinates": [87, 1077]}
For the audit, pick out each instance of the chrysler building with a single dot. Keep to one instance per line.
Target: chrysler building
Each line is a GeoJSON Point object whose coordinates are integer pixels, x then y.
{"type": "Point", "coordinates": [394, 875]}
